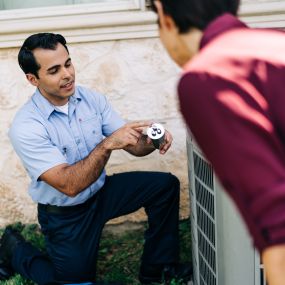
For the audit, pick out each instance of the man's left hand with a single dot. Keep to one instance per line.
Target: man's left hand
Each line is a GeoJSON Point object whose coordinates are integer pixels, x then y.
{"type": "Point", "coordinates": [163, 148]}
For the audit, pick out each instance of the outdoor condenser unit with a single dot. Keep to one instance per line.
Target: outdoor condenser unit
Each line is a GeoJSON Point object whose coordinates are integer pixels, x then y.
{"type": "Point", "coordinates": [221, 247]}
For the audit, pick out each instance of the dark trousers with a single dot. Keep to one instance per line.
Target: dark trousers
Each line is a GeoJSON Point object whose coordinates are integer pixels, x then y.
{"type": "Point", "coordinates": [72, 236]}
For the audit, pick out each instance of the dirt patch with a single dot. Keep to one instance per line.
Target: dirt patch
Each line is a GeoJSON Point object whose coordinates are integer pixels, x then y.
{"type": "Point", "coordinates": [120, 229]}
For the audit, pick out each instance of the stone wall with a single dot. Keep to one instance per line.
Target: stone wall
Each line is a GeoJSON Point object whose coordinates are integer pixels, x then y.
{"type": "Point", "coordinates": [137, 77]}
{"type": "Point", "coordinates": [140, 81]}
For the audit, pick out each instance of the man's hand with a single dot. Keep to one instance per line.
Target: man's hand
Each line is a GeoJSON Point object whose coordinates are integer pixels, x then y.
{"type": "Point", "coordinates": [164, 147]}
{"type": "Point", "coordinates": [128, 135]}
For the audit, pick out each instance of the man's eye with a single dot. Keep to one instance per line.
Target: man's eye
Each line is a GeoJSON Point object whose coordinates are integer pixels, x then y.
{"type": "Point", "coordinates": [53, 71]}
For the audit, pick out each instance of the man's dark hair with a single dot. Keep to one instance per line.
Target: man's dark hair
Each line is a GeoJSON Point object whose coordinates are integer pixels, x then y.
{"type": "Point", "coordinates": [189, 14]}
{"type": "Point", "coordinates": [26, 57]}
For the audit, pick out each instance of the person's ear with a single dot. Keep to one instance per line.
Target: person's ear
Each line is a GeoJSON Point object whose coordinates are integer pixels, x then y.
{"type": "Point", "coordinates": [165, 21]}
{"type": "Point", "coordinates": [32, 79]}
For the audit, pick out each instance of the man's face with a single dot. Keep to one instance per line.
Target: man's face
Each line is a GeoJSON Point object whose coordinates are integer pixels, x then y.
{"type": "Point", "coordinates": [171, 42]}
{"type": "Point", "coordinates": [170, 37]}
{"type": "Point", "coordinates": [56, 74]}
{"type": "Point", "coordinates": [181, 47]}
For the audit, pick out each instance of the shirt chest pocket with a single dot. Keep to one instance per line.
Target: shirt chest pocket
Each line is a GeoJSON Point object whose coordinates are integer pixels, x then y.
{"type": "Point", "coordinates": [92, 131]}
{"type": "Point", "coordinates": [70, 153]}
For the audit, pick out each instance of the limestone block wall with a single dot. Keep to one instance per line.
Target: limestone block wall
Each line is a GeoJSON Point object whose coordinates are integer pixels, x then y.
{"type": "Point", "coordinates": [137, 77]}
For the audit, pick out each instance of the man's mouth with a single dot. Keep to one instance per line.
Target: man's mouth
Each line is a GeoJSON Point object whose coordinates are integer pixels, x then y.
{"type": "Point", "coordinates": [67, 85]}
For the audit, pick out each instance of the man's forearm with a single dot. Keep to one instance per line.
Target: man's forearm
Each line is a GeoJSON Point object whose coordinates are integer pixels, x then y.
{"type": "Point", "coordinates": [83, 173]}
{"type": "Point", "coordinates": [80, 175]}
{"type": "Point", "coordinates": [73, 179]}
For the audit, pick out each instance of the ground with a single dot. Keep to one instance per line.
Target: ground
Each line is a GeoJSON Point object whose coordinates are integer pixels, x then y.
{"type": "Point", "coordinates": [119, 252]}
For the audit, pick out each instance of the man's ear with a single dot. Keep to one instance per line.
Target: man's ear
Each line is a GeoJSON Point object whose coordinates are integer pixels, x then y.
{"type": "Point", "coordinates": [165, 21]}
{"type": "Point", "coordinates": [32, 79]}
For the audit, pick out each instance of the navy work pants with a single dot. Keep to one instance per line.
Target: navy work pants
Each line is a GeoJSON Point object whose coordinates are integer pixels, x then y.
{"type": "Point", "coordinates": [72, 236]}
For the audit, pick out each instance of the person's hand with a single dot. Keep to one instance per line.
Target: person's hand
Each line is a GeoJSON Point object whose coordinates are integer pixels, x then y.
{"type": "Point", "coordinates": [273, 259]}
{"type": "Point", "coordinates": [164, 147]}
{"type": "Point", "coordinates": [128, 135]}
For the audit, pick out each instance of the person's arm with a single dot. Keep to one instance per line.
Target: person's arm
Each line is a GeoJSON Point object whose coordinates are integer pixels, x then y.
{"type": "Point", "coordinates": [72, 179]}
{"type": "Point", "coordinates": [273, 259]}
{"type": "Point", "coordinates": [145, 146]}
{"type": "Point", "coordinates": [240, 138]}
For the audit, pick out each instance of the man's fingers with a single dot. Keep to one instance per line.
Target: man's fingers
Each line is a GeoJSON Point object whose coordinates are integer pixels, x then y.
{"type": "Point", "coordinates": [165, 148]}
{"type": "Point", "coordinates": [167, 143]}
{"type": "Point", "coordinates": [142, 130]}
{"type": "Point", "coordinates": [168, 137]}
{"type": "Point", "coordinates": [141, 124]}
{"type": "Point", "coordinates": [135, 134]}
{"type": "Point", "coordinates": [148, 140]}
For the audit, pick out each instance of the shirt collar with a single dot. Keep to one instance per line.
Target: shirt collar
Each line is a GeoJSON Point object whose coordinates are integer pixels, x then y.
{"type": "Point", "coordinates": [46, 107]}
{"type": "Point", "coordinates": [220, 25]}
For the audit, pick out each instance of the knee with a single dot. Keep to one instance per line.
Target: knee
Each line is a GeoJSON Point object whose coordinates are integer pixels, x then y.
{"type": "Point", "coordinates": [172, 183]}
{"type": "Point", "coordinates": [175, 183]}
{"type": "Point", "coordinates": [163, 184]}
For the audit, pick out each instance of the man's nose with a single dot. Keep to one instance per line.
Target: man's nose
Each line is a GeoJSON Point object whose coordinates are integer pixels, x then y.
{"type": "Point", "coordinates": [66, 73]}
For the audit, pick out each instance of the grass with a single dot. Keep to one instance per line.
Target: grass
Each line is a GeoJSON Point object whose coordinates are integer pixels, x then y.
{"type": "Point", "coordinates": [119, 254]}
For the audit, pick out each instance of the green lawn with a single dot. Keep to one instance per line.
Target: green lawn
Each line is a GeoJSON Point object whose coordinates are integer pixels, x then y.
{"type": "Point", "coordinates": [119, 254]}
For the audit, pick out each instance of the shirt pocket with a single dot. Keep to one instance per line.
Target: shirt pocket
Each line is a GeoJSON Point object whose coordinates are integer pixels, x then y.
{"type": "Point", "coordinates": [70, 152]}
{"type": "Point", "coordinates": [92, 131]}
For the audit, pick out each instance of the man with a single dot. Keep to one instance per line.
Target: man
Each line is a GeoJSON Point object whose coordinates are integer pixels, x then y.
{"type": "Point", "coordinates": [232, 98]}
{"type": "Point", "coordinates": [59, 136]}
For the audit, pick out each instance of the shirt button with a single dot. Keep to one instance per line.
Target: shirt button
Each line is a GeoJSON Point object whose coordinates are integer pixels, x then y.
{"type": "Point", "coordinates": [78, 141]}
{"type": "Point", "coordinates": [93, 132]}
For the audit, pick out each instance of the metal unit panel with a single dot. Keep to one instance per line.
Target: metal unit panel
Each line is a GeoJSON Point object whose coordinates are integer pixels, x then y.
{"type": "Point", "coordinates": [203, 215]}
{"type": "Point", "coordinates": [221, 247]}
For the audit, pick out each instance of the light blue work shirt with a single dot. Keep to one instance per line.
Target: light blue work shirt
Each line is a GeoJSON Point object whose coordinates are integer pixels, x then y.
{"type": "Point", "coordinates": [44, 138]}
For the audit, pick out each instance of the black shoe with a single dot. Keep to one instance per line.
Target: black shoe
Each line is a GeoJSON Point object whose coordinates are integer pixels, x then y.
{"type": "Point", "coordinates": [5, 272]}
{"type": "Point", "coordinates": [9, 240]}
{"type": "Point", "coordinates": [165, 273]}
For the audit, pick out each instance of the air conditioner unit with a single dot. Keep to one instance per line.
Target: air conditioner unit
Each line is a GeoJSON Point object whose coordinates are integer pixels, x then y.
{"type": "Point", "coordinates": [221, 247]}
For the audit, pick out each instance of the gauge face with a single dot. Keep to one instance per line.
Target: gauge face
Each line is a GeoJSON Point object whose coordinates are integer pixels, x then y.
{"type": "Point", "coordinates": [156, 131]}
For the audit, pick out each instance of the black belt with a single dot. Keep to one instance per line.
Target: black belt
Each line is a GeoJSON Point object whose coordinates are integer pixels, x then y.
{"type": "Point", "coordinates": [53, 209]}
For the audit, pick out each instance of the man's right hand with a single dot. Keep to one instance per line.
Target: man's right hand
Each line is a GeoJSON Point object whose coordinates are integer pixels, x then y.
{"type": "Point", "coordinates": [128, 135]}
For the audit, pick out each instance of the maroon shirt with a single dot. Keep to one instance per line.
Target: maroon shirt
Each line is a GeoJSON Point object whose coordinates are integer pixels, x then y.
{"type": "Point", "coordinates": [232, 96]}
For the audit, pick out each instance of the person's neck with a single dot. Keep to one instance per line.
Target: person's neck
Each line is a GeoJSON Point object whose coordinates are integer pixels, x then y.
{"type": "Point", "coordinates": [192, 41]}
{"type": "Point", "coordinates": [54, 100]}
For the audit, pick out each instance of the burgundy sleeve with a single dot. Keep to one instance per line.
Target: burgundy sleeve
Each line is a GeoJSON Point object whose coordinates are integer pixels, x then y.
{"type": "Point", "coordinates": [235, 132]}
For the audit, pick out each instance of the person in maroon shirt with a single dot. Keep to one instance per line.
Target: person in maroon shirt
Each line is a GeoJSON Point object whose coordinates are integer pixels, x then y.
{"type": "Point", "coordinates": [232, 96]}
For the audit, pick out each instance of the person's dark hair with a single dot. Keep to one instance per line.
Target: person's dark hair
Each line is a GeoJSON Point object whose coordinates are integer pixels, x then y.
{"type": "Point", "coordinates": [188, 14]}
{"type": "Point", "coordinates": [26, 57]}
